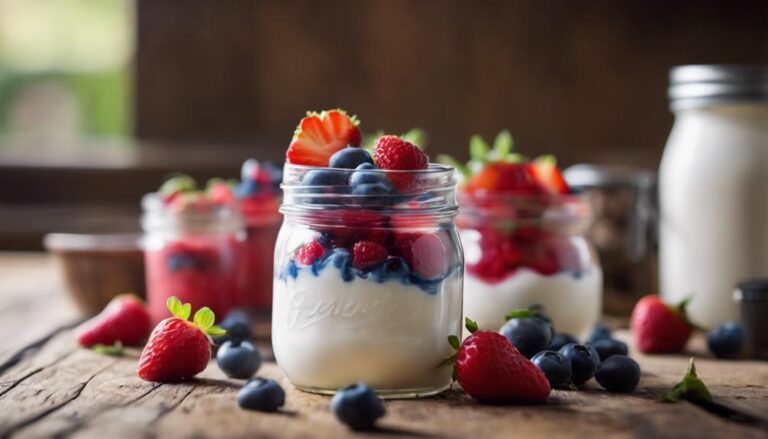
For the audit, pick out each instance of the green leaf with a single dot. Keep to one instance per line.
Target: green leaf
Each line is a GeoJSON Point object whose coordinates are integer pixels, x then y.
{"type": "Point", "coordinates": [513, 158]}
{"type": "Point", "coordinates": [478, 149]}
{"type": "Point", "coordinates": [547, 159]}
{"type": "Point", "coordinates": [370, 139]}
{"type": "Point", "coordinates": [174, 306]}
{"type": "Point", "coordinates": [447, 362]}
{"type": "Point", "coordinates": [519, 314]}
{"type": "Point", "coordinates": [690, 387]}
{"type": "Point", "coordinates": [417, 136]}
{"type": "Point", "coordinates": [216, 331]}
{"type": "Point", "coordinates": [454, 342]}
{"type": "Point", "coordinates": [462, 170]}
{"type": "Point", "coordinates": [178, 183]}
{"type": "Point", "coordinates": [503, 144]}
{"type": "Point", "coordinates": [471, 325]}
{"type": "Point", "coordinates": [114, 350]}
{"type": "Point", "coordinates": [204, 318]}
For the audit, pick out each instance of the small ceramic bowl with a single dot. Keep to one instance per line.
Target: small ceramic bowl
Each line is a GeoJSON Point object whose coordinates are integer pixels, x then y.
{"type": "Point", "coordinates": [96, 268]}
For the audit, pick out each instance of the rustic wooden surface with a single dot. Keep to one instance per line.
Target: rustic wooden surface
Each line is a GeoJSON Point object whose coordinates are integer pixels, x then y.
{"type": "Point", "coordinates": [51, 388]}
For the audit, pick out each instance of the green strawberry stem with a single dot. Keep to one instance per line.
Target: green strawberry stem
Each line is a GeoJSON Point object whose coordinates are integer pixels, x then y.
{"type": "Point", "coordinates": [681, 310]}
{"type": "Point", "coordinates": [114, 350]}
{"type": "Point", "coordinates": [691, 387]}
{"type": "Point", "coordinates": [204, 317]}
{"type": "Point", "coordinates": [520, 313]}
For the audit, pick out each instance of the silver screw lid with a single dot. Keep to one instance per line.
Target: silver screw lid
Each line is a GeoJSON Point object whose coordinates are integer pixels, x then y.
{"type": "Point", "coordinates": [703, 85]}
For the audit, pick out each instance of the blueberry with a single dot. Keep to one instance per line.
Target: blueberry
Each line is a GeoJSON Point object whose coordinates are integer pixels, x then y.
{"type": "Point", "coordinates": [357, 406]}
{"type": "Point", "coordinates": [321, 177]}
{"type": "Point", "coordinates": [261, 394]}
{"type": "Point", "coordinates": [366, 166]}
{"type": "Point", "coordinates": [349, 158]}
{"type": "Point", "coordinates": [594, 355]}
{"type": "Point", "coordinates": [555, 366]}
{"type": "Point", "coordinates": [341, 259]}
{"type": "Point", "coordinates": [619, 373]}
{"type": "Point", "coordinates": [238, 326]}
{"type": "Point", "coordinates": [238, 359]}
{"type": "Point", "coordinates": [583, 360]}
{"type": "Point", "coordinates": [530, 335]}
{"type": "Point", "coordinates": [367, 177]}
{"type": "Point", "coordinates": [606, 347]}
{"type": "Point", "coordinates": [392, 268]}
{"type": "Point", "coordinates": [184, 260]}
{"type": "Point", "coordinates": [247, 188]}
{"type": "Point", "coordinates": [373, 189]}
{"type": "Point", "coordinates": [561, 339]}
{"type": "Point", "coordinates": [726, 340]}
{"type": "Point", "coordinates": [599, 332]}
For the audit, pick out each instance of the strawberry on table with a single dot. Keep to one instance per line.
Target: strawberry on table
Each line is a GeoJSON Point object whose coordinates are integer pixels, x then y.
{"type": "Point", "coordinates": [125, 319]}
{"type": "Point", "coordinates": [320, 135]}
{"type": "Point", "coordinates": [659, 327]}
{"type": "Point", "coordinates": [177, 348]}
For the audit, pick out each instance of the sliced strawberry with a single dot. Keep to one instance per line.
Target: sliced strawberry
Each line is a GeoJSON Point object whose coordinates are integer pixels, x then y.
{"type": "Point", "coordinates": [125, 319]}
{"type": "Point", "coordinates": [320, 135]}
{"type": "Point", "coordinates": [548, 175]}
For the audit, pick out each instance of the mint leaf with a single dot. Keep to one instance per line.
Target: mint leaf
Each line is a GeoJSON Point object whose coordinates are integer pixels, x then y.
{"type": "Point", "coordinates": [519, 313]}
{"type": "Point", "coordinates": [204, 318]}
{"type": "Point", "coordinates": [454, 342]}
{"type": "Point", "coordinates": [471, 325]}
{"type": "Point", "coordinates": [114, 350]}
{"type": "Point", "coordinates": [478, 149]}
{"type": "Point", "coordinates": [690, 387]}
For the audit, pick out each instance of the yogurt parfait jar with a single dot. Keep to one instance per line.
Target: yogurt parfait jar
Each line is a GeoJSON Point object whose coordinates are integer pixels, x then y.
{"type": "Point", "coordinates": [367, 283]}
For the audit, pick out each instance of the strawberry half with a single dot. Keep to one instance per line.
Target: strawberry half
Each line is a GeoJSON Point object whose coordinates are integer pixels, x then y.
{"type": "Point", "coordinates": [177, 348]}
{"type": "Point", "coordinates": [658, 327]}
{"type": "Point", "coordinates": [490, 369]}
{"type": "Point", "coordinates": [125, 319]}
{"type": "Point", "coordinates": [319, 135]}
{"type": "Point", "coordinates": [548, 175]}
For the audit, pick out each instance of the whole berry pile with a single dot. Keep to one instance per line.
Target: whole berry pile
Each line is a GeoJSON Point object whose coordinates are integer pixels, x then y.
{"type": "Point", "coordinates": [506, 197]}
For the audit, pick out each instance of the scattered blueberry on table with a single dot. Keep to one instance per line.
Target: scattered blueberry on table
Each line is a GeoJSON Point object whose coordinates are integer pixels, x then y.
{"type": "Point", "coordinates": [618, 373]}
{"type": "Point", "coordinates": [529, 334]}
{"type": "Point", "coordinates": [583, 360]}
{"type": "Point", "coordinates": [726, 341]}
{"type": "Point", "coordinates": [261, 394]}
{"type": "Point", "coordinates": [357, 406]}
{"type": "Point", "coordinates": [238, 359]}
{"type": "Point", "coordinates": [556, 368]}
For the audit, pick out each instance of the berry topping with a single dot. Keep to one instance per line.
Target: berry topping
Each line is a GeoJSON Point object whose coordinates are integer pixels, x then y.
{"type": "Point", "coordinates": [548, 175]}
{"type": "Point", "coordinates": [726, 341]}
{"type": "Point", "coordinates": [583, 360]}
{"type": "Point", "coordinates": [658, 327]}
{"type": "Point", "coordinates": [618, 373]}
{"type": "Point", "coordinates": [322, 177]}
{"type": "Point", "coordinates": [367, 254]}
{"type": "Point", "coordinates": [394, 153]}
{"type": "Point", "coordinates": [320, 135]}
{"type": "Point", "coordinates": [238, 359]}
{"type": "Point", "coordinates": [309, 253]}
{"type": "Point", "coordinates": [527, 332]}
{"type": "Point", "coordinates": [350, 158]}
{"type": "Point", "coordinates": [177, 348]}
{"type": "Point", "coordinates": [556, 367]}
{"type": "Point", "coordinates": [425, 253]}
{"type": "Point", "coordinates": [261, 394]}
{"type": "Point", "coordinates": [357, 406]}
{"type": "Point", "coordinates": [124, 320]}
{"type": "Point", "coordinates": [490, 369]}
{"type": "Point", "coordinates": [607, 347]}
{"type": "Point", "coordinates": [220, 192]}
{"type": "Point", "coordinates": [175, 185]}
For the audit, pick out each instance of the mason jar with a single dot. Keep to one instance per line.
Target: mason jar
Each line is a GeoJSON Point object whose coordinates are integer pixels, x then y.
{"type": "Point", "coordinates": [713, 182]}
{"type": "Point", "coordinates": [525, 251]}
{"type": "Point", "coordinates": [367, 288]}
{"type": "Point", "coordinates": [191, 254]}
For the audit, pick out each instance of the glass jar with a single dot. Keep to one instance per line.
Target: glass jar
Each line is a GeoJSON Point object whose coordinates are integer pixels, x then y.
{"type": "Point", "coordinates": [523, 251]}
{"type": "Point", "coordinates": [368, 288]}
{"type": "Point", "coordinates": [712, 188]}
{"type": "Point", "coordinates": [192, 255]}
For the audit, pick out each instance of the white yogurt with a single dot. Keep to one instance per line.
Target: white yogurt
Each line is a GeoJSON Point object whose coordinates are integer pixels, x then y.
{"type": "Point", "coordinates": [328, 333]}
{"type": "Point", "coordinates": [573, 302]}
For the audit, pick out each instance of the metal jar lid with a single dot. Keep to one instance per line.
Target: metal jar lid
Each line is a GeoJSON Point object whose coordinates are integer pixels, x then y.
{"type": "Point", "coordinates": [703, 85]}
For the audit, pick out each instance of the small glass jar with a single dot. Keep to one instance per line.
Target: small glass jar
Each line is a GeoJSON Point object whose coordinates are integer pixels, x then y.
{"type": "Point", "coordinates": [523, 251]}
{"type": "Point", "coordinates": [368, 288]}
{"type": "Point", "coordinates": [192, 255]}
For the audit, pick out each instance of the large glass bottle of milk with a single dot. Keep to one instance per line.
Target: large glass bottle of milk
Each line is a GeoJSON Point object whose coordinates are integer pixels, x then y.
{"type": "Point", "coordinates": [713, 188]}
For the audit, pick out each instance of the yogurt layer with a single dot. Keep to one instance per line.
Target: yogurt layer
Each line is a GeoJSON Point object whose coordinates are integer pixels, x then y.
{"type": "Point", "coordinates": [328, 332]}
{"type": "Point", "coordinates": [573, 301]}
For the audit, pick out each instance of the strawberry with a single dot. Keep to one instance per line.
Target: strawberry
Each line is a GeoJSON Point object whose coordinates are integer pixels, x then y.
{"type": "Point", "coordinates": [366, 254]}
{"type": "Point", "coordinates": [319, 135]}
{"type": "Point", "coordinates": [659, 327]}
{"type": "Point", "coordinates": [426, 253]}
{"type": "Point", "coordinates": [176, 185]}
{"type": "Point", "coordinates": [548, 175]}
{"type": "Point", "coordinates": [309, 253]}
{"type": "Point", "coordinates": [509, 178]}
{"type": "Point", "coordinates": [490, 369]}
{"type": "Point", "coordinates": [125, 319]}
{"type": "Point", "coordinates": [394, 153]}
{"type": "Point", "coordinates": [220, 193]}
{"type": "Point", "coordinates": [177, 348]}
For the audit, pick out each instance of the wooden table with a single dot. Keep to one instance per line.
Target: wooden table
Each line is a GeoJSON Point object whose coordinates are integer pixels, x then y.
{"type": "Point", "coordinates": [51, 388]}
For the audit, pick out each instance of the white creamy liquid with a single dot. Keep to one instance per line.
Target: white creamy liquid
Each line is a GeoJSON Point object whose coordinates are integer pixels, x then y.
{"type": "Point", "coordinates": [328, 333]}
{"type": "Point", "coordinates": [573, 302]}
{"type": "Point", "coordinates": [713, 189]}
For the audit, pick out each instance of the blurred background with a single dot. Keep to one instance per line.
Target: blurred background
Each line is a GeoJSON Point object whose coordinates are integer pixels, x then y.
{"type": "Point", "coordinates": [100, 99]}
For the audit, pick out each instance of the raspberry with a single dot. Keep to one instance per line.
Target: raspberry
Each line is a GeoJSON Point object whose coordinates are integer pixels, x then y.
{"type": "Point", "coordinates": [366, 254]}
{"type": "Point", "coordinates": [425, 253]}
{"type": "Point", "coordinates": [309, 253]}
{"type": "Point", "coordinates": [392, 152]}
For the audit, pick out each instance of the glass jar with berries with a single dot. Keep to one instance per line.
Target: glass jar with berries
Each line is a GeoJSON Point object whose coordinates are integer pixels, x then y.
{"type": "Point", "coordinates": [259, 196]}
{"type": "Point", "coordinates": [524, 239]}
{"type": "Point", "coordinates": [192, 239]}
{"type": "Point", "coordinates": [368, 266]}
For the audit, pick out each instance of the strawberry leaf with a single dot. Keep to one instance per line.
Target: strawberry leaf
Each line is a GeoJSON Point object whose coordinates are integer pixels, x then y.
{"type": "Point", "coordinates": [216, 331]}
{"type": "Point", "coordinates": [447, 362]}
{"type": "Point", "coordinates": [204, 318]}
{"type": "Point", "coordinates": [462, 170]}
{"type": "Point", "coordinates": [471, 325]}
{"type": "Point", "coordinates": [175, 307]}
{"type": "Point", "coordinates": [114, 350]}
{"type": "Point", "coordinates": [478, 149]}
{"type": "Point", "coordinates": [454, 342]}
{"type": "Point", "coordinates": [502, 145]}
{"type": "Point", "coordinates": [519, 313]}
{"type": "Point", "coordinates": [178, 183]}
{"type": "Point", "coordinates": [690, 387]}
{"type": "Point", "coordinates": [417, 136]}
